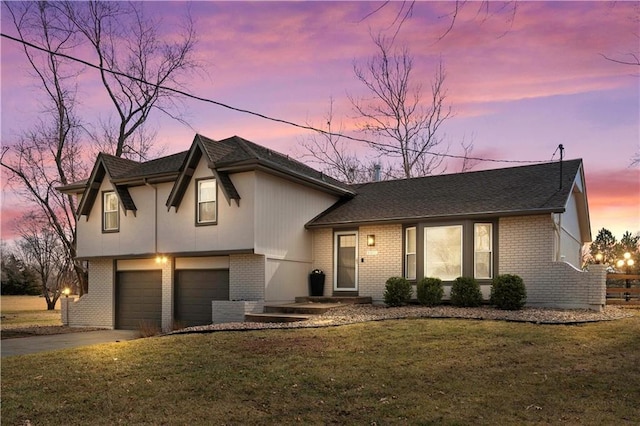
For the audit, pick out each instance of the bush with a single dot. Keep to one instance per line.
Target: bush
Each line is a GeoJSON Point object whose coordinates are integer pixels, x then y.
{"type": "Point", "coordinates": [508, 292]}
{"type": "Point", "coordinates": [397, 291]}
{"type": "Point", "coordinates": [430, 291]}
{"type": "Point", "coordinates": [465, 292]}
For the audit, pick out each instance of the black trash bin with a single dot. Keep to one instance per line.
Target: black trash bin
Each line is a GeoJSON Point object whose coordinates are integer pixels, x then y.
{"type": "Point", "coordinates": [316, 283]}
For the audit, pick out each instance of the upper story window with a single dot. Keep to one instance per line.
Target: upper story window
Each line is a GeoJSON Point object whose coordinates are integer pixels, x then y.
{"type": "Point", "coordinates": [206, 209]}
{"type": "Point", "coordinates": [410, 253]}
{"type": "Point", "coordinates": [110, 212]}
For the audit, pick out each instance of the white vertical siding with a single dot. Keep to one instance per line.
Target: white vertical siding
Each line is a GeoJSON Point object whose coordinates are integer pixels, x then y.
{"type": "Point", "coordinates": [234, 229]}
{"type": "Point", "coordinates": [282, 208]}
{"type": "Point", "coordinates": [136, 232]}
{"type": "Point", "coordinates": [285, 280]}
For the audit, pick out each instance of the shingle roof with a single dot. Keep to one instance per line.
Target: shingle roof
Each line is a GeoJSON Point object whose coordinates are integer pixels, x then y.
{"type": "Point", "coordinates": [513, 190]}
{"type": "Point", "coordinates": [236, 151]}
{"type": "Point", "coordinates": [117, 166]}
{"type": "Point", "coordinates": [123, 169]}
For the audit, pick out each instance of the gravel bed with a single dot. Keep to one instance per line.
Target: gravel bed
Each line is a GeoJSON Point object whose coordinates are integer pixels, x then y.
{"type": "Point", "coordinates": [351, 314]}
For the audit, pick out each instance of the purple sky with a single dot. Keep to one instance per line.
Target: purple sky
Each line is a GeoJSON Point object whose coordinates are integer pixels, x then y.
{"type": "Point", "coordinates": [518, 89]}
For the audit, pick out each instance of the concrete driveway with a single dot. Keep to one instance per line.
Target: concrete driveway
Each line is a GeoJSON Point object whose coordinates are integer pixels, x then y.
{"type": "Point", "coordinates": [30, 345]}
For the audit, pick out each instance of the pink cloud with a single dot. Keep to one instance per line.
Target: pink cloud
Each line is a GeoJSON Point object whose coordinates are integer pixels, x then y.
{"type": "Point", "coordinates": [614, 200]}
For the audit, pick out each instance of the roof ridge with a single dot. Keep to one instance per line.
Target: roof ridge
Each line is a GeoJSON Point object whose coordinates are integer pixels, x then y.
{"type": "Point", "coordinates": [500, 169]}
{"type": "Point", "coordinates": [244, 144]}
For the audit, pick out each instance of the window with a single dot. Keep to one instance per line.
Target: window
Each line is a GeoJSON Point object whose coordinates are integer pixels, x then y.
{"type": "Point", "coordinates": [206, 209]}
{"type": "Point", "coordinates": [483, 251]}
{"type": "Point", "coordinates": [110, 212]}
{"type": "Point", "coordinates": [410, 253]}
{"type": "Point", "coordinates": [443, 252]}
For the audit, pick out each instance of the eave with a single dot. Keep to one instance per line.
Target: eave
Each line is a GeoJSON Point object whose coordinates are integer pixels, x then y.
{"type": "Point", "coordinates": [433, 218]}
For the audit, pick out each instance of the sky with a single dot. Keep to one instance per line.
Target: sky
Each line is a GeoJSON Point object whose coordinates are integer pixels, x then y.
{"type": "Point", "coordinates": [519, 83]}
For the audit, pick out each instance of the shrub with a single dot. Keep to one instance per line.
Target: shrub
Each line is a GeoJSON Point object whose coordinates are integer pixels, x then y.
{"type": "Point", "coordinates": [465, 292]}
{"type": "Point", "coordinates": [148, 329]}
{"type": "Point", "coordinates": [508, 292]}
{"type": "Point", "coordinates": [430, 291]}
{"type": "Point", "coordinates": [397, 291]}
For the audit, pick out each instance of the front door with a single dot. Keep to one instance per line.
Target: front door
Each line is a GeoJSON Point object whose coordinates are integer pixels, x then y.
{"type": "Point", "coordinates": [346, 261]}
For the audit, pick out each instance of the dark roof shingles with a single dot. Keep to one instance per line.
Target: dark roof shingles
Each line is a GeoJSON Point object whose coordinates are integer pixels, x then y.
{"type": "Point", "coordinates": [508, 190]}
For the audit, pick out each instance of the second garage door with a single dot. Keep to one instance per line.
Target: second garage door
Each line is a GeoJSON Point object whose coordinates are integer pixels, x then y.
{"type": "Point", "coordinates": [194, 291]}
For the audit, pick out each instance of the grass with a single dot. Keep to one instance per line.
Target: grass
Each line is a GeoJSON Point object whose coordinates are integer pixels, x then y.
{"type": "Point", "coordinates": [25, 311]}
{"type": "Point", "coordinates": [421, 371]}
{"type": "Point", "coordinates": [27, 316]}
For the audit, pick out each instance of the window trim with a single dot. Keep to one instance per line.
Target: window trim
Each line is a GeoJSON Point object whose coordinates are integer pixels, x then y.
{"type": "Point", "coordinates": [490, 251]}
{"type": "Point", "coordinates": [468, 246]}
{"type": "Point", "coordinates": [462, 246]}
{"type": "Point", "coordinates": [104, 213]}
{"type": "Point", "coordinates": [407, 253]}
{"type": "Point", "coordinates": [198, 182]}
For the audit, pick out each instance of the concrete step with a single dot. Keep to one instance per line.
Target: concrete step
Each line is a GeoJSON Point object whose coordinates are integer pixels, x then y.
{"type": "Point", "coordinates": [275, 317]}
{"type": "Point", "coordinates": [352, 300]}
{"type": "Point", "coordinates": [301, 308]}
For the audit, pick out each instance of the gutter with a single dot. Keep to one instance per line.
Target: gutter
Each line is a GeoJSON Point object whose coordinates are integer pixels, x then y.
{"type": "Point", "coordinates": [456, 216]}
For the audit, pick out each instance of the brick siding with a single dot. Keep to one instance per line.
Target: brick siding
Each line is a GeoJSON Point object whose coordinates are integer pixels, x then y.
{"type": "Point", "coordinates": [246, 277]}
{"type": "Point", "coordinates": [94, 309]}
{"type": "Point", "coordinates": [526, 247]}
{"type": "Point", "coordinates": [381, 261]}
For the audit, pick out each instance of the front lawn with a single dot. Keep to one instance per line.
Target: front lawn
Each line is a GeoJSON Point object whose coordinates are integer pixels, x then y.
{"type": "Point", "coordinates": [418, 371]}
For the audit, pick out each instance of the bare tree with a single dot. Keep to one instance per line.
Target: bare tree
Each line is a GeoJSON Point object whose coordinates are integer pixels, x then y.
{"type": "Point", "coordinates": [400, 124]}
{"type": "Point", "coordinates": [485, 9]}
{"type": "Point", "coordinates": [126, 41]}
{"type": "Point", "coordinates": [42, 249]}
{"type": "Point", "coordinates": [329, 150]}
{"type": "Point", "coordinates": [48, 154]}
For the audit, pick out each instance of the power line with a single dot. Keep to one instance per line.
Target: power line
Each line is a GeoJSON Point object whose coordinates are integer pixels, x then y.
{"type": "Point", "coordinates": [245, 111]}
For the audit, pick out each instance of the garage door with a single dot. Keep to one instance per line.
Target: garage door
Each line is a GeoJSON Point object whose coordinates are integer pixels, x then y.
{"type": "Point", "coordinates": [138, 299]}
{"type": "Point", "coordinates": [194, 291]}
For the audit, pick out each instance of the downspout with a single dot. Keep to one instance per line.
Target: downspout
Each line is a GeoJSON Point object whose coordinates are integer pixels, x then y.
{"type": "Point", "coordinates": [155, 219]}
{"type": "Point", "coordinates": [557, 226]}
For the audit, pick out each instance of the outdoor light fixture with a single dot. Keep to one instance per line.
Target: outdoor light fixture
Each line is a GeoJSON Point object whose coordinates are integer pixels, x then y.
{"type": "Point", "coordinates": [66, 292]}
{"type": "Point", "coordinates": [160, 259]}
{"type": "Point", "coordinates": [599, 258]}
{"type": "Point", "coordinates": [371, 240]}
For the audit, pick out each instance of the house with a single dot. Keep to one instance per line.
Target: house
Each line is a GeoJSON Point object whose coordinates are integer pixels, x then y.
{"type": "Point", "coordinates": [227, 226]}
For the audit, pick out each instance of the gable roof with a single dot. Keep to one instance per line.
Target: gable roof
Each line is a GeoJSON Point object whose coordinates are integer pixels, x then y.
{"type": "Point", "coordinates": [236, 154]}
{"type": "Point", "coordinates": [114, 166]}
{"type": "Point", "coordinates": [123, 173]}
{"type": "Point", "coordinates": [487, 193]}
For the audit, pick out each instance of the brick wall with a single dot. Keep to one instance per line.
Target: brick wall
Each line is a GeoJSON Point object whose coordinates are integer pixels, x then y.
{"type": "Point", "coordinates": [94, 309]}
{"type": "Point", "coordinates": [246, 277]}
{"type": "Point", "coordinates": [167, 294]}
{"type": "Point", "coordinates": [526, 247]}
{"type": "Point", "coordinates": [381, 261]}
{"type": "Point", "coordinates": [322, 253]}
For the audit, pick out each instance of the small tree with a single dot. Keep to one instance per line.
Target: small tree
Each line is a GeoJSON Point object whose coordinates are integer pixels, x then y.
{"type": "Point", "coordinates": [17, 277]}
{"type": "Point", "coordinates": [604, 245]}
{"type": "Point", "coordinates": [42, 249]}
